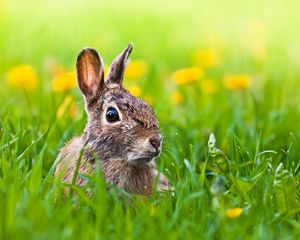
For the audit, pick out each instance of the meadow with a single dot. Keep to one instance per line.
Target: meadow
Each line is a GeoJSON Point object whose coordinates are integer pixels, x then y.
{"type": "Point", "coordinates": [223, 78]}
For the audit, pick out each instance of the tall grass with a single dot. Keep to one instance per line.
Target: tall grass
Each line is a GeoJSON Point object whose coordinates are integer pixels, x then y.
{"type": "Point", "coordinates": [253, 166]}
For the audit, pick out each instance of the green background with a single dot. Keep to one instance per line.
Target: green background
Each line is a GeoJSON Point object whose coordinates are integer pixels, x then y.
{"type": "Point", "coordinates": [256, 128]}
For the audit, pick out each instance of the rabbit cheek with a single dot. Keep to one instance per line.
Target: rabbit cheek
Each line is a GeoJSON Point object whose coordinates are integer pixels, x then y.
{"type": "Point", "coordinates": [150, 142]}
{"type": "Point", "coordinates": [139, 151]}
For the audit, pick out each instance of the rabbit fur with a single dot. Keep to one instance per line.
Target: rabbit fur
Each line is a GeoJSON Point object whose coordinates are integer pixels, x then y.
{"type": "Point", "coordinates": [122, 132]}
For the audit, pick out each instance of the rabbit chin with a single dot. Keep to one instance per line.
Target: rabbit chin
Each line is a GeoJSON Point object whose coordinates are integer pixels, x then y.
{"type": "Point", "coordinates": [138, 160]}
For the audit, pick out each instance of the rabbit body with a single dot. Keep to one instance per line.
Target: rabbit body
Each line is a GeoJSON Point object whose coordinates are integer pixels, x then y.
{"type": "Point", "coordinates": [122, 133]}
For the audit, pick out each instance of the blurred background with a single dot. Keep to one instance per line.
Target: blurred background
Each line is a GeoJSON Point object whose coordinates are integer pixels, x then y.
{"type": "Point", "coordinates": [231, 68]}
{"type": "Point", "coordinates": [205, 66]}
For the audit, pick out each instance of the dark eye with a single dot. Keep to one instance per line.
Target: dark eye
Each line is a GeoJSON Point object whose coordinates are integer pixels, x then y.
{"type": "Point", "coordinates": [112, 115]}
{"type": "Point", "coordinates": [139, 122]}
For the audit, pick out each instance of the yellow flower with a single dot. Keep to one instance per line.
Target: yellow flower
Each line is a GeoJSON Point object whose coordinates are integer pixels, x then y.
{"type": "Point", "coordinates": [105, 70]}
{"type": "Point", "coordinates": [136, 69]}
{"type": "Point", "coordinates": [208, 86]}
{"type": "Point", "coordinates": [51, 66]}
{"type": "Point", "coordinates": [213, 38]}
{"type": "Point", "coordinates": [135, 90]}
{"type": "Point", "coordinates": [207, 57]}
{"type": "Point", "coordinates": [64, 81]}
{"type": "Point", "coordinates": [237, 82]}
{"type": "Point", "coordinates": [259, 49]}
{"type": "Point", "coordinates": [176, 97]}
{"type": "Point", "coordinates": [233, 212]}
{"type": "Point", "coordinates": [149, 99]}
{"type": "Point", "coordinates": [67, 105]}
{"type": "Point", "coordinates": [23, 76]}
{"type": "Point", "coordinates": [254, 36]}
{"type": "Point", "coordinates": [188, 75]}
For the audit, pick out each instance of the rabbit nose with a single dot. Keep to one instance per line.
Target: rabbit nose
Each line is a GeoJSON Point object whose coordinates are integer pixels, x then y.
{"type": "Point", "coordinates": [155, 142]}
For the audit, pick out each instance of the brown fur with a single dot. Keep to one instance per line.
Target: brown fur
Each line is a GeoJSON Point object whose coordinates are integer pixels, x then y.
{"type": "Point", "coordinates": [125, 149]}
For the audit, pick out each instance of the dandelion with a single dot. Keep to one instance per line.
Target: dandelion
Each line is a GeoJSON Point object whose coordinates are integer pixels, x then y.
{"type": "Point", "coordinates": [135, 91]}
{"type": "Point", "coordinates": [105, 70]}
{"type": "Point", "coordinates": [188, 75]}
{"type": "Point", "coordinates": [148, 99]}
{"type": "Point", "coordinates": [237, 82]}
{"type": "Point", "coordinates": [254, 36]}
{"type": "Point", "coordinates": [213, 38]}
{"type": "Point", "coordinates": [207, 57]}
{"type": "Point", "coordinates": [64, 81]}
{"type": "Point", "coordinates": [23, 76]}
{"type": "Point", "coordinates": [68, 105]}
{"type": "Point", "coordinates": [51, 66]}
{"type": "Point", "coordinates": [176, 97]}
{"type": "Point", "coordinates": [259, 49]}
{"type": "Point", "coordinates": [208, 86]}
{"type": "Point", "coordinates": [233, 212]}
{"type": "Point", "coordinates": [136, 69]}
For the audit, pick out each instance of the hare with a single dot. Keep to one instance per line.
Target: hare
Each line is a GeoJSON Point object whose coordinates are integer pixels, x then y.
{"type": "Point", "coordinates": [122, 132]}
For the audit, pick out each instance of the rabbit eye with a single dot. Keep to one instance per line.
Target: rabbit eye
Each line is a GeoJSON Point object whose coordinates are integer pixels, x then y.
{"type": "Point", "coordinates": [112, 115]}
{"type": "Point", "coordinates": [139, 122]}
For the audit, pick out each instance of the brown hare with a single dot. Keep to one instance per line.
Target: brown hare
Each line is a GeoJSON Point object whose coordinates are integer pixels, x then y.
{"type": "Point", "coordinates": [122, 131]}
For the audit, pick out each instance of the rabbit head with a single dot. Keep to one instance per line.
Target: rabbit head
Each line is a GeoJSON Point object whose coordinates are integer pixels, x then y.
{"type": "Point", "coordinates": [120, 126]}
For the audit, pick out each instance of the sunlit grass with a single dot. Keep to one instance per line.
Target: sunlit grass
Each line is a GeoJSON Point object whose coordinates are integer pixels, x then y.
{"type": "Point", "coordinates": [229, 69]}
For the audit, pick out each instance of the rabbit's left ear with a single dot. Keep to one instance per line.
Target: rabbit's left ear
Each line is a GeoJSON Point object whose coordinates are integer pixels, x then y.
{"type": "Point", "coordinates": [116, 70]}
{"type": "Point", "coordinates": [90, 73]}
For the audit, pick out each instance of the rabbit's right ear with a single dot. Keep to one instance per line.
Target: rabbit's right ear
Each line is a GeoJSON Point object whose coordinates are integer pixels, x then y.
{"type": "Point", "coordinates": [90, 73]}
{"type": "Point", "coordinates": [116, 70]}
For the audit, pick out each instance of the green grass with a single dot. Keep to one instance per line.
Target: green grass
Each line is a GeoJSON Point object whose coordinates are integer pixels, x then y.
{"type": "Point", "coordinates": [257, 129]}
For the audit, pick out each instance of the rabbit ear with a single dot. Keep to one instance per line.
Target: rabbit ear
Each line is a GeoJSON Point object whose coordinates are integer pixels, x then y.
{"type": "Point", "coordinates": [90, 73]}
{"type": "Point", "coordinates": [117, 68]}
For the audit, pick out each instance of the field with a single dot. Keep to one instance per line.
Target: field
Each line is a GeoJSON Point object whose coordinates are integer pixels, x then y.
{"type": "Point", "coordinates": [223, 78]}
